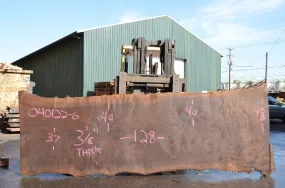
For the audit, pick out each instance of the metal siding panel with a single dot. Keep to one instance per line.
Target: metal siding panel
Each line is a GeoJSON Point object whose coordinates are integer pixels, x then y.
{"type": "Point", "coordinates": [203, 71]}
{"type": "Point", "coordinates": [57, 70]}
{"type": "Point", "coordinates": [213, 70]}
{"type": "Point", "coordinates": [218, 70]}
{"type": "Point", "coordinates": [103, 46]}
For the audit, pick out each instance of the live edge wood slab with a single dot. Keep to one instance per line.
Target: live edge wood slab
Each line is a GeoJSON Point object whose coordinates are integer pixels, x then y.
{"type": "Point", "coordinates": [145, 134]}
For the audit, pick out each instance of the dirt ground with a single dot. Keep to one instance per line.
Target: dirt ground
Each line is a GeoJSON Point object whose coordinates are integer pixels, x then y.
{"type": "Point", "coordinates": [11, 178]}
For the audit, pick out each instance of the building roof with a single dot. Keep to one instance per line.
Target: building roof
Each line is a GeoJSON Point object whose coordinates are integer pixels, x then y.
{"type": "Point", "coordinates": [149, 18]}
{"type": "Point", "coordinates": [122, 23]}
{"type": "Point", "coordinates": [94, 28]}
{"type": "Point", "coordinates": [47, 46]}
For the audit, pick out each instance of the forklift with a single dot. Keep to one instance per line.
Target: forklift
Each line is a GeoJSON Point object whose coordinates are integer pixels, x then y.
{"type": "Point", "coordinates": [149, 76]}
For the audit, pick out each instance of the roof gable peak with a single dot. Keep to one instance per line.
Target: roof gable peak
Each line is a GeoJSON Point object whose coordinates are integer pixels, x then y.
{"type": "Point", "coordinates": [144, 19]}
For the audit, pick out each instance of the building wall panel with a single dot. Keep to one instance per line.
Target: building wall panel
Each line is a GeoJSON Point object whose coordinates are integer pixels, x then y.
{"type": "Point", "coordinates": [102, 56]}
{"type": "Point", "coordinates": [57, 69]}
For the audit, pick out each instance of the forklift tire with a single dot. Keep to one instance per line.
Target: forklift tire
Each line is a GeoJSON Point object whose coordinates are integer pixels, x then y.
{"type": "Point", "coordinates": [1, 124]}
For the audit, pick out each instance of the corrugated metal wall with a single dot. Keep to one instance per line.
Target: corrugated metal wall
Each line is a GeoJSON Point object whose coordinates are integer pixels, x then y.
{"type": "Point", "coordinates": [102, 49]}
{"type": "Point", "coordinates": [57, 69]}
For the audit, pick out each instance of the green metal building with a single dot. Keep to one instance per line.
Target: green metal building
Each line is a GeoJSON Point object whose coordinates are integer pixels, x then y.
{"type": "Point", "coordinates": [71, 65]}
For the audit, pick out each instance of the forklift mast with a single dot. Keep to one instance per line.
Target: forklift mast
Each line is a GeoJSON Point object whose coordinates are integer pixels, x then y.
{"type": "Point", "coordinates": [165, 49]}
{"type": "Point", "coordinates": [147, 79]}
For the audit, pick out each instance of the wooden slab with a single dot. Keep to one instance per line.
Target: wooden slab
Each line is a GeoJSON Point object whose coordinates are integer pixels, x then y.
{"type": "Point", "coordinates": [146, 134]}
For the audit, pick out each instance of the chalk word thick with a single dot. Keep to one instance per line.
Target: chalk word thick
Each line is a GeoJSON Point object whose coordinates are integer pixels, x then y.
{"type": "Point", "coordinates": [88, 151]}
{"type": "Point", "coordinates": [51, 113]}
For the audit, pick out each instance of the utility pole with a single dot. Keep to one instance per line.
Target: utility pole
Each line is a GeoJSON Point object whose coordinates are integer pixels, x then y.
{"type": "Point", "coordinates": [266, 67]}
{"type": "Point", "coordinates": [230, 63]}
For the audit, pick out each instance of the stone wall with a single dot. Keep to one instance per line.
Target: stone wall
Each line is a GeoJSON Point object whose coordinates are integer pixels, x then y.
{"type": "Point", "coordinates": [12, 80]}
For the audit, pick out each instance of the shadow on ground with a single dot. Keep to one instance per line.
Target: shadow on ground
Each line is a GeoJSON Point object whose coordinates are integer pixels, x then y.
{"type": "Point", "coordinates": [277, 125]}
{"type": "Point", "coordinates": [157, 181]}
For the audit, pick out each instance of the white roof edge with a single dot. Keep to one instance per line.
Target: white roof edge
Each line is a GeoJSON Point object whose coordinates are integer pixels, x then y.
{"type": "Point", "coordinates": [149, 18]}
{"type": "Point", "coordinates": [194, 35]}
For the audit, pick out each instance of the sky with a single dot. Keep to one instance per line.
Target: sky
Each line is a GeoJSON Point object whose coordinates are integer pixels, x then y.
{"type": "Point", "coordinates": [250, 27]}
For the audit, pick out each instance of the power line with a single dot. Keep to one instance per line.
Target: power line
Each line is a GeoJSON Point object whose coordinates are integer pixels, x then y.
{"type": "Point", "coordinates": [277, 40]}
{"type": "Point", "coordinates": [282, 77]}
{"type": "Point", "coordinates": [259, 27]}
{"type": "Point", "coordinates": [281, 66]}
{"type": "Point", "coordinates": [245, 66]}
{"type": "Point", "coordinates": [256, 44]}
{"type": "Point", "coordinates": [258, 59]}
{"type": "Point", "coordinates": [253, 66]}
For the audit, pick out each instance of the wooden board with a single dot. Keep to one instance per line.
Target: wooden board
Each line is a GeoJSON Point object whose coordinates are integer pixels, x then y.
{"type": "Point", "coordinates": [13, 129]}
{"type": "Point", "coordinates": [104, 88]}
{"type": "Point", "coordinates": [146, 134]}
{"type": "Point", "coordinates": [16, 120]}
{"type": "Point", "coordinates": [12, 115]}
{"type": "Point", "coordinates": [13, 125]}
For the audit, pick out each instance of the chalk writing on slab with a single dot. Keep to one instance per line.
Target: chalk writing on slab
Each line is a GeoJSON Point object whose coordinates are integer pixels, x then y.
{"type": "Point", "coordinates": [86, 139]}
{"type": "Point", "coordinates": [191, 112]}
{"type": "Point", "coordinates": [52, 137]}
{"type": "Point", "coordinates": [107, 117]}
{"type": "Point", "coordinates": [144, 137]}
{"type": "Point", "coordinates": [96, 129]}
{"type": "Point", "coordinates": [81, 139]}
{"type": "Point", "coordinates": [260, 113]}
{"type": "Point", "coordinates": [51, 113]}
{"type": "Point", "coordinates": [89, 151]}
